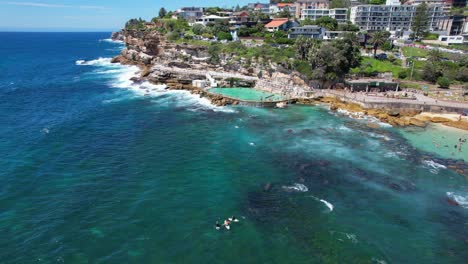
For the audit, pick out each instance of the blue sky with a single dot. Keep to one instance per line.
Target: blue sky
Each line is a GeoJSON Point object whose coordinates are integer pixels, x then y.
{"type": "Point", "coordinates": [87, 15]}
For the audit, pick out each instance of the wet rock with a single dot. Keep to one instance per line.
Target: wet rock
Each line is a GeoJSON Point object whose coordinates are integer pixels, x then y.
{"type": "Point", "coordinates": [373, 125]}
{"type": "Point", "coordinates": [417, 122]}
{"type": "Point", "coordinates": [393, 113]}
{"type": "Point", "coordinates": [438, 119]}
{"type": "Point", "coordinates": [136, 80]}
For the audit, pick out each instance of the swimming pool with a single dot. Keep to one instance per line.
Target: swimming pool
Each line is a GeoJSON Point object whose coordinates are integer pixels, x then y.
{"type": "Point", "coordinates": [249, 94]}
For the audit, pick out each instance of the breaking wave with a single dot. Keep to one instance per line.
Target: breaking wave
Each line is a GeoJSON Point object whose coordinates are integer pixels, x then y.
{"type": "Point", "coordinates": [121, 76]}
{"type": "Point", "coordinates": [433, 166]}
{"type": "Point", "coordinates": [461, 200]}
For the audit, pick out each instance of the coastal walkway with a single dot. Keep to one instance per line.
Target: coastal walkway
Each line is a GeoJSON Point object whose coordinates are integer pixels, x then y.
{"type": "Point", "coordinates": [420, 102]}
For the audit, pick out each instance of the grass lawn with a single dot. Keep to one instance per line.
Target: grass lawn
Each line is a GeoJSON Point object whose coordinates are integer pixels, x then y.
{"type": "Point", "coordinates": [383, 66]}
{"type": "Point", "coordinates": [415, 52]}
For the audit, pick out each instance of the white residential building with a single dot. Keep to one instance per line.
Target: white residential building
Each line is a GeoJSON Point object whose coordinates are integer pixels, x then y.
{"type": "Point", "coordinates": [204, 20]}
{"type": "Point", "coordinates": [393, 17]}
{"type": "Point", "coordinates": [340, 14]}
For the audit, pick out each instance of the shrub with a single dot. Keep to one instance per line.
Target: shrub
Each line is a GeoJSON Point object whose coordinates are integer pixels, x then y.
{"type": "Point", "coordinates": [207, 35]}
{"type": "Point", "coordinates": [431, 36]}
{"type": "Point", "coordinates": [224, 36]}
{"type": "Point", "coordinates": [387, 46]}
{"type": "Point", "coordinates": [443, 82]}
{"type": "Point", "coordinates": [198, 29]}
{"type": "Point", "coordinates": [402, 74]}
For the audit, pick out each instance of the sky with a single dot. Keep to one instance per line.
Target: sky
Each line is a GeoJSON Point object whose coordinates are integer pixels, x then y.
{"type": "Point", "coordinates": [88, 15]}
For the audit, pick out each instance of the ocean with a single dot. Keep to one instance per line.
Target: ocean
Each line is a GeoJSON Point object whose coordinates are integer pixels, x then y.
{"type": "Point", "coordinates": [96, 169]}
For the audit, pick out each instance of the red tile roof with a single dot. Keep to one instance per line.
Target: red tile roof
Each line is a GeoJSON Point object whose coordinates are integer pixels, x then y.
{"type": "Point", "coordinates": [285, 4]}
{"type": "Point", "coordinates": [276, 22]}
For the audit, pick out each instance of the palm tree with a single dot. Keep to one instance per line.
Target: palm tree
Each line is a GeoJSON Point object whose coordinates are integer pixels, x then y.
{"type": "Point", "coordinates": [378, 39]}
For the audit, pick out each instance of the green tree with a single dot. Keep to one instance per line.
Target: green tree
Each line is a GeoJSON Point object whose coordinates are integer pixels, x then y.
{"type": "Point", "coordinates": [420, 21]}
{"type": "Point", "coordinates": [214, 51]}
{"type": "Point", "coordinates": [333, 60]}
{"type": "Point", "coordinates": [198, 29]}
{"type": "Point", "coordinates": [378, 39]}
{"type": "Point", "coordinates": [219, 26]}
{"type": "Point", "coordinates": [162, 12]}
{"type": "Point", "coordinates": [327, 22]}
{"type": "Point", "coordinates": [348, 27]}
{"type": "Point", "coordinates": [224, 36]}
{"type": "Point", "coordinates": [284, 13]}
{"type": "Point", "coordinates": [305, 46]}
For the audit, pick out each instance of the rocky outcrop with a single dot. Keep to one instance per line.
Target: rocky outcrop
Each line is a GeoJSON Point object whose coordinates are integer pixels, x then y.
{"type": "Point", "coordinates": [117, 36]}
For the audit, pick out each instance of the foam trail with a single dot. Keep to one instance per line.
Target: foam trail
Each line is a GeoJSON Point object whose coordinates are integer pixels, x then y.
{"type": "Point", "coordinates": [296, 187]}
{"type": "Point", "coordinates": [327, 204]}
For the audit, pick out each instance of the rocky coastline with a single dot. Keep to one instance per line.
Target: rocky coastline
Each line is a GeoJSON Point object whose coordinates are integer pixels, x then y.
{"type": "Point", "coordinates": [146, 49]}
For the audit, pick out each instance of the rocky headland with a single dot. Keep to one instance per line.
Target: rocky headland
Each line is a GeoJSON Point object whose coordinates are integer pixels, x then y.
{"type": "Point", "coordinates": [177, 64]}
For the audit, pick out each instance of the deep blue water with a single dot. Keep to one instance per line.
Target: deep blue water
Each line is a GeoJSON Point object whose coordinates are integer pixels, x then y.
{"type": "Point", "coordinates": [94, 171]}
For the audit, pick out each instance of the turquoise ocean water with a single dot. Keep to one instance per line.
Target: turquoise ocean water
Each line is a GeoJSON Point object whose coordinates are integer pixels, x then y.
{"type": "Point", "coordinates": [95, 171]}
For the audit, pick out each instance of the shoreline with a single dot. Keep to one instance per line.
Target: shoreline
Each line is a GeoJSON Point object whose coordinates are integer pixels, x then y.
{"type": "Point", "coordinates": [393, 116]}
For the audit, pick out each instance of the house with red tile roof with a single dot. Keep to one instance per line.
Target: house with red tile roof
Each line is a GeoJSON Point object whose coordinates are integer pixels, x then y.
{"type": "Point", "coordinates": [279, 24]}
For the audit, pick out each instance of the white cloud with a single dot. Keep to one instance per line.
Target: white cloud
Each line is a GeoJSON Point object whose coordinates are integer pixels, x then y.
{"type": "Point", "coordinates": [55, 6]}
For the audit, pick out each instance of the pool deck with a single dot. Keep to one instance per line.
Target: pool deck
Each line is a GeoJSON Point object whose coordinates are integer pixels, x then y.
{"type": "Point", "coordinates": [255, 103]}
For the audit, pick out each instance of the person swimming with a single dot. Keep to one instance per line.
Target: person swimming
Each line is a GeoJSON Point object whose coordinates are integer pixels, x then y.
{"type": "Point", "coordinates": [233, 219]}
{"type": "Point", "coordinates": [217, 226]}
{"type": "Point", "coordinates": [226, 224]}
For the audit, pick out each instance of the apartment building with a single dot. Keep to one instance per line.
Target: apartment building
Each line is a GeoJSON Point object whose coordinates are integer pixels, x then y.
{"type": "Point", "coordinates": [393, 17]}
{"type": "Point", "coordinates": [310, 4]}
{"type": "Point", "coordinates": [340, 14]}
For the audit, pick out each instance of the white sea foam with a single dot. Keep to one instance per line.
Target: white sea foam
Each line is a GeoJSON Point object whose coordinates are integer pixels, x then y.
{"type": "Point", "coordinates": [298, 187]}
{"type": "Point", "coordinates": [374, 135]}
{"type": "Point", "coordinates": [96, 62]}
{"type": "Point", "coordinates": [122, 74]}
{"type": "Point", "coordinates": [433, 166]}
{"type": "Point", "coordinates": [461, 200]}
{"type": "Point", "coordinates": [327, 204]}
{"type": "Point", "coordinates": [111, 41]}
{"type": "Point", "coordinates": [344, 128]}
{"type": "Point", "coordinates": [379, 261]}
{"type": "Point", "coordinates": [355, 115]}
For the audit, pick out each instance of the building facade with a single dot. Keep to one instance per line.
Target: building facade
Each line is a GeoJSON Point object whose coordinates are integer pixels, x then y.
{"type": "Point", "coordinates": [205, 20]}
{"type": "Point", "coordinates": [340, 14]}
{"type": "Point", "coordinates": [310, 4]}
{"type": "Point", "coordinates": [393, 17]}
{"type": "Point", "coordinates": [455, 25]}
{"type": "Point", "coordinates": [190, 14]}
{"type": "Point", "coordinates": [313, 31]}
